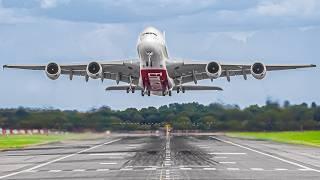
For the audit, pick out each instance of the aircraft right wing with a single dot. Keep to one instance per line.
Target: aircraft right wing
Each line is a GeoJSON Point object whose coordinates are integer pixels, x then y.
{"type": "Point", "coordinates": [198, 88]}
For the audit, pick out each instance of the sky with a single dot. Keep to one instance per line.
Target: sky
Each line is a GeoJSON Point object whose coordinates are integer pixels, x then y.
{"type": "Point", "coordinates": [228, 31]}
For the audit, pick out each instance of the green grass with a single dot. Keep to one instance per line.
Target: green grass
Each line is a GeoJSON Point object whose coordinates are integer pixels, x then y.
{"type": "Point", "coordinates": [19, 141]}
{"type": "Point", "coordinates": [295, 137]}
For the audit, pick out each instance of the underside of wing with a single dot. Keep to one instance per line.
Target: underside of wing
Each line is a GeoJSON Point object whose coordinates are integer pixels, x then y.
{"type": "Point", "coordinates": [125, 71]}
{"type": "Point", "coordinates": [199, 88]}
{"type": "Point", "coordinates": [121, 88]}
{"type": "Point", "coordinates": [184, 72]}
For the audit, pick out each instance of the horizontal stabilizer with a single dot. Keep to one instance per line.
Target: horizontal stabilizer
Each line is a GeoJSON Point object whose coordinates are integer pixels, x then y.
{"type": "Point", "coordinates": [199, 88]}
{"type": "Point", "coordinates": [121, 88]}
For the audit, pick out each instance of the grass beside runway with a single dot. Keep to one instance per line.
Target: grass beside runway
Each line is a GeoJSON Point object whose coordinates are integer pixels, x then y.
{"type": "Point", "coordinates": [294, 137]}
{"type": "Point", "coordinates": [20, 141]}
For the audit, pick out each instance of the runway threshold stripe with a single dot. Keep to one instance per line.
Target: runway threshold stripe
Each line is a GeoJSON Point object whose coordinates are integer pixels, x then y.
{"type": "Point", "coordinates": [265, 154]}
{"type": "Point", "coordinates": [58, 159]}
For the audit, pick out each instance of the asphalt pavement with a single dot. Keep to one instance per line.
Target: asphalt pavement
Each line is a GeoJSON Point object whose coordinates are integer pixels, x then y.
{"type": "Point", "coordinates": [162, 157]}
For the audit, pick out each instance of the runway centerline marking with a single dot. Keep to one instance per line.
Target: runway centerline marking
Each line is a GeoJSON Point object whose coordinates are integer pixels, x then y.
{"type": "Point", "coordinates": [265, 154]}
{"type": "Point", "coordinates": [58, 159]}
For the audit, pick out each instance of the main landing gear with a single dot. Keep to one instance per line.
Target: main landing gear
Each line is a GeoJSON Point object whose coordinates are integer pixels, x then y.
{"type": "Point", "coordinates": [132, 89]}
{"type": "Point", "coordinates": [181, 89]}
{"type": "Point", "coordinates": [145, 92]}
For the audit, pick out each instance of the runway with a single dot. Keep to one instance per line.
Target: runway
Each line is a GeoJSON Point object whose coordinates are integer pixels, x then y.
{"type": "Point", "coordinates": [161, 157]}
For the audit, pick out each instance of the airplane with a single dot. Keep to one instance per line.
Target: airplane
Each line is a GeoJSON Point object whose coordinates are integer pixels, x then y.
{"type": "Point", "coordinates": [153, 72]}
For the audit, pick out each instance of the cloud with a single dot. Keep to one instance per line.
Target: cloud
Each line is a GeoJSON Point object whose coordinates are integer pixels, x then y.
{"type": "Point", "coordinates": [298, 8]}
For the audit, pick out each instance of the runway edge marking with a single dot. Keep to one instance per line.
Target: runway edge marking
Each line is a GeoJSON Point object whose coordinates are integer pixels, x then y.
{"type": "Point", "coordinates": [265, 154]}
{"type": "Point", "coordinates": [58, 159]}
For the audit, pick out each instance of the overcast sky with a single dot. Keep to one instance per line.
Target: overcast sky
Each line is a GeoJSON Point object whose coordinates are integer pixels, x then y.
{"type": "Point", "coordinates": [242, 31]}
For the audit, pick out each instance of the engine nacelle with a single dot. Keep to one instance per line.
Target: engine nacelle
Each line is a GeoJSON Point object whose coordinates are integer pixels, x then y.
{"type": "Point", "coordinates": [94, 70]}
{"type": "Point", "coordinates": [258, 70]}
{"type": "Point", "coordinates": [214, 70]}
{"type": "Point", "coordinates": [53, 71]}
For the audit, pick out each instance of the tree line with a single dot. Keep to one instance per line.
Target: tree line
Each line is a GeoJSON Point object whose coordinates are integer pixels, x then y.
{"type": "Point", "coordinates": [214, 117]}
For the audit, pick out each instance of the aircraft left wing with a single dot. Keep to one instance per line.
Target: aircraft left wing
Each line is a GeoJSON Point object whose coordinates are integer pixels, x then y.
{"type": "Point", "coordinates": [184, 72]}
{"type": "Point", "coordinates": [125, 71]}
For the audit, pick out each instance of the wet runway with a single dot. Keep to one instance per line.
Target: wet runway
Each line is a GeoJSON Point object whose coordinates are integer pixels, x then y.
{"type": "Point", "coordinates": [161, 157]}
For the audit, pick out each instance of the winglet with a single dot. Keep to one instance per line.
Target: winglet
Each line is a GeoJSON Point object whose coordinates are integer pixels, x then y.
{"type": "Point", "coordinates": [313, 65]}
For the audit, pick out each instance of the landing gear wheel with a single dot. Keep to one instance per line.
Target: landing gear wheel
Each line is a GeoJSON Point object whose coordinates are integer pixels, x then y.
{"type": "Point", "coordinates": [133, 90]}
{"type": "Point", "coordinates": [128, 89]}
{"type": "Point", "coordinates": [170, 93]}
{"type": "Point", "coordinates": [142, 93]}
{"type": "Point", "coordinates": [183, 90]}
{"type": "Point", "coordinates": [163, 93]}
{"type": "Point", "coordinates": [148, 93]}
{"type": "Point", "coordinates": [178, 90]}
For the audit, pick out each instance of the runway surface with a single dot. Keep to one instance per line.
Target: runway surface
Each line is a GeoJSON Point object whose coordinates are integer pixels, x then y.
{"type": "Point", "coordinates": [161, 157]}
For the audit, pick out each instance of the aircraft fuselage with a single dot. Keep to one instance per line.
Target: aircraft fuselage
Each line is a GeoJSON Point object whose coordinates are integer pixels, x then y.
{"type": "Point", "coordinates": [153, 55]}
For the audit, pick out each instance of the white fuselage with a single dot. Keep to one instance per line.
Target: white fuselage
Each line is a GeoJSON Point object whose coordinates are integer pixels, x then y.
{"type": "Point", "coordinates": [153, 55]}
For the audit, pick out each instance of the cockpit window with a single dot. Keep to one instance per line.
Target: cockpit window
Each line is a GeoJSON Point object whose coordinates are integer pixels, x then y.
{"type": "Point", "coordinates": [149, 33]}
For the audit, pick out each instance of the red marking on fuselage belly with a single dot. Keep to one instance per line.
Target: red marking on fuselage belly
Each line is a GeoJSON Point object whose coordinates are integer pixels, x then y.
{"type": "Point", "coordinates": [154, 79]}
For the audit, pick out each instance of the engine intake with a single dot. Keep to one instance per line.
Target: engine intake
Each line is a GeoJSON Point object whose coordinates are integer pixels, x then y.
{"type": "Point", "coordinates": [94, 70]}
{"type": "Point", "coordinates": [258, 70]}
{"type": "Point", "coordinates": [214, 70]}
{"type": "Point", "coordinates": [53, 71]}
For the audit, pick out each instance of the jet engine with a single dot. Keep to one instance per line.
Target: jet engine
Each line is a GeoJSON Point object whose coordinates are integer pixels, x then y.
{"type": "Point", "coordinates": [94, 70]}
{"type": "Point", "coordinates": [258, 70]}
{"type": "Point", "coordinates": [53, 71]}
{"type": "Point", "coordinates": [213, 70]}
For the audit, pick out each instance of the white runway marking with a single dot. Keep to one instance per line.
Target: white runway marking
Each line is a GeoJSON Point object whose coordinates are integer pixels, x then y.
{"type": "Point", "coordinates": [212, 169]}
{"type": "Point", "coordinates": [79, 170]}
{"type": "Point", "coordinates": [219, 157]}
{"type": "Point", "coordinates": [227, 162]}
{"type": "Point", "coordinates": [256, 169]}
{"type": "Point", "coordinates": [108, 163]}
{"type": "Point", "coordinates": [58, 159]}
{"type": "Point", "coordinates": [102, 170]}
{"type": "Point", "coordinates": [221, 153]}
{"type": "Point", "coordinates": [55, 171]}
{"type": "Point", "coordinates": [265, 154]}
{"type": "Point", "coordinates": [185, 168]}
{"type": "Point", "coordinates": [281, 169]}
{"type": "Point", "coordinates": [150, 169]}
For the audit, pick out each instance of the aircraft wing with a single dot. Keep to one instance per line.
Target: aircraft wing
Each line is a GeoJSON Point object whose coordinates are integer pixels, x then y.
{"type": "Point", "coordinates": [114, 70]}
{"type": "Point", "coordinates": [121, 88]}
{"type": "Point", "coordinates": [184, 72]}
{"type": "Point", "coordinates": [199, 88]}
